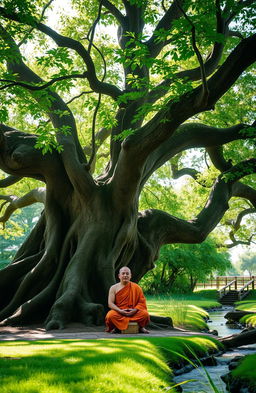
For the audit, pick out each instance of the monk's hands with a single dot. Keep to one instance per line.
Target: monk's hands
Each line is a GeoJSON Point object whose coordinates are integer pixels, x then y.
{"type": "Point", "coordinates": [128, 312]}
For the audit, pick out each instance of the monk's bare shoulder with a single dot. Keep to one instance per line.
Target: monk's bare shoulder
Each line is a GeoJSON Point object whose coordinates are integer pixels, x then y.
{"type": "Point", "coordinates": [114, 288]}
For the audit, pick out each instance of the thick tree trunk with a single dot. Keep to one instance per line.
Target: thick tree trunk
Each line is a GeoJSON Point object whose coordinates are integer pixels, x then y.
{"type": "Point", "coordinates": [72, 272]}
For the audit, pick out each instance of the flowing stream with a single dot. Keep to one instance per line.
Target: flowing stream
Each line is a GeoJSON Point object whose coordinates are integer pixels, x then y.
{"type": "Point", "coordinates": [200, 382]}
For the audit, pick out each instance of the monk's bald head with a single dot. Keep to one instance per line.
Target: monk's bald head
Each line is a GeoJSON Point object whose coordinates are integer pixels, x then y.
{"type": "Point", "coordinates": [124, 275]}
{"type": "Point", "coordinates": [125, 267]}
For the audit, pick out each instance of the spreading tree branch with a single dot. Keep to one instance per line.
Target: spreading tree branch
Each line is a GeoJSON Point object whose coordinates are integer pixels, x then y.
{"type": "Point", "coordinates": [47, 5]}
{"type": "Point", "coordinates": [236, 242]}
{"type": "Point", "coordinates": [9, 180]}
{"type": "Point", "coordinates": [114, 11]}
{"type": "Point", "coordinates": [236, 225]}
{"type": "Point", "coordinates": [67, 42]}
{"type": "Point", "coordinates": [173, 13]}
{"type": "Point", "coordinates": [12, 83]}
{"type": "Point", "coordinates": [195, 74]}
{"type": "Point", "coordinates": [205, 91]}
{"type": "Point", "coordinates": [159, 227]}
{"type": "Point", "coordinates": [34, 196]}
{"type": "Point", "coordinates": [160, 128]}
{"type": "Point", "coordinates": [177, 173]}
{"type": "Point", "coordinates": [72, 154]}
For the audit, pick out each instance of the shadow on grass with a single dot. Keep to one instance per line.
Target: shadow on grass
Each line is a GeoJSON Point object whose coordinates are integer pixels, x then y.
{"type": "Point", "coordinates": [74, 366]}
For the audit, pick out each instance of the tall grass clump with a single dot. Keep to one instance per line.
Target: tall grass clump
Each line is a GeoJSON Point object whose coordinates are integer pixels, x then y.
{"type": "Point", "coordinates": [182, 311]}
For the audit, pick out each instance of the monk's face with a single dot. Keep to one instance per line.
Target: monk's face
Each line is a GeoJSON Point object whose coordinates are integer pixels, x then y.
{"type": "Point", "coordinates": [124, 275]}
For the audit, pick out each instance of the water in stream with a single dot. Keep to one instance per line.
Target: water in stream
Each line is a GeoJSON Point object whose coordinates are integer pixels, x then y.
{"type": "Point", "coordinates": [200, 382]}
{"type": "Point", "coordinates": [218, 322]}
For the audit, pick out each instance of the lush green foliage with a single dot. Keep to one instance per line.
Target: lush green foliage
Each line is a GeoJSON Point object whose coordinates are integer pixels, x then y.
{"type": "Point", "coordinates": [180, 267]}
{"type": "Point", "coordinates": [111, 366]}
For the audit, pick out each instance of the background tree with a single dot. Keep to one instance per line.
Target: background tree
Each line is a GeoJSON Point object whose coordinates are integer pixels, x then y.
{"type": "Point", "coordinates": [180, 267]}
{"type": "Point", "coordinates": [79, 95]}
{"type": "Point", "coordinates": [249, 263]}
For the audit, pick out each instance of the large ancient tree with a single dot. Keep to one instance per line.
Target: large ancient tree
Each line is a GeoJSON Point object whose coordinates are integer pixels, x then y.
{"type": "Point", "coordinates": [173, 61]}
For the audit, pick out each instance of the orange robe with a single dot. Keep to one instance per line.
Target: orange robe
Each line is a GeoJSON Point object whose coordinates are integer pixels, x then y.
{"type": "Point", "coordinates": [131, 296]}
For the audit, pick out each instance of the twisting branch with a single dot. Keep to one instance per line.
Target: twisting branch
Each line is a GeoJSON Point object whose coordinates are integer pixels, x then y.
{"type": "Point", "coordinates": [205, 90]}
{"type": "Point", "coordinates": [93, 130]}
{"type": "Point", "coordinates": [40, 20]}
{"type": "Point", "coordinates": [171, 14]}
{"type": "Point", "coordinates": [114, 11]}
{"type": "Point", "coordinates": [217, 158]}
{"type": "Point", "coordinates": [36, 195]}
{"type": "Point", "coordinates": [44, 86]}
{"type": "Point", "coordinates": [236, 225]}
{"type": "Point", "coordinates": [236, 242]}
{"type": "Point", "coordinates": [63, 41]}
{"type": "Point", "coordinates": [9, 180]}
{"type": "Point", "coordinates": [163, 6]}
{"type": "Point", "coordinates": [194, 74]}
{"type": "Point", "coordinates": [79, 95]}
{"type": "Point", "coordinates": [91, 32]}
{"type": "Point", "coordinates": [242, 5]}
{"type": "Point", "coordinates": [177, 173]}
{"type": "Point", "coordinates": [104, 62]}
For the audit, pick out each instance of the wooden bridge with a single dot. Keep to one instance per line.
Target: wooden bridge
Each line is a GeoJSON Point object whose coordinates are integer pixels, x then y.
{"type": "Point", "coordinates": [231, 288]}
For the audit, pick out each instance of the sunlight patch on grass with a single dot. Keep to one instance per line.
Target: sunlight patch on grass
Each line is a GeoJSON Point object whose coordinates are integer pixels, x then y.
{"type": "Point", "coordinates": [113, 366]}
{"type": "Point", "coordinates": [108, 365]}
{"type": "Point", "coordinates": [246, 305]}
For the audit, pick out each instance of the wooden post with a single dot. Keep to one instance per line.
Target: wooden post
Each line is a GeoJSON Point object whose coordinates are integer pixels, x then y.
{"type": "Point", "coordinates": [236, 283]}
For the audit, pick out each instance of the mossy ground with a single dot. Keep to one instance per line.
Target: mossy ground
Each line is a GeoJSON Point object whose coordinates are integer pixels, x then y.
{"type": "Point", "coordinates": [246, 370]}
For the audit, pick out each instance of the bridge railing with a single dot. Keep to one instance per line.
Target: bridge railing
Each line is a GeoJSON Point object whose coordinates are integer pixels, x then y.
{"type": "Point", "coordinates": [228, 288]}
{"type": "Point", "coordinates": [244, 290]}
{"type": "Point", "coordinates": [220, 281]}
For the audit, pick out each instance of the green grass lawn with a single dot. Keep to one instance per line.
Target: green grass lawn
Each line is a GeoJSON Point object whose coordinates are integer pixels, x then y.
{"type": "Point", "coordinates": [111, 366]}
{"type": "Point", "coordinates": [186, 311]}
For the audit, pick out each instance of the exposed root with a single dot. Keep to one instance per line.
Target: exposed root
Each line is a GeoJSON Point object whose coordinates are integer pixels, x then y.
{"type": "Point", "coordinates": [91, 313]}
{"type": "Point", "coordinates": [55, 324]}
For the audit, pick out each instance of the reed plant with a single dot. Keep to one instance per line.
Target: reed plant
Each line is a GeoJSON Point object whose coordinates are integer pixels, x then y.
{"type": "Point", "coordinates": [185, 311]}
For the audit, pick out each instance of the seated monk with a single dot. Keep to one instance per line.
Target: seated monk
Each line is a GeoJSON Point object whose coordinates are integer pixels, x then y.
{"type": "Point", "coordinates": [127, 303]}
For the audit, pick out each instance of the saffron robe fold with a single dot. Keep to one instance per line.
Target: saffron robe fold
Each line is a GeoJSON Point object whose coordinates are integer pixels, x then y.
{"type": "Point", "coordinates": [131, 296]}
